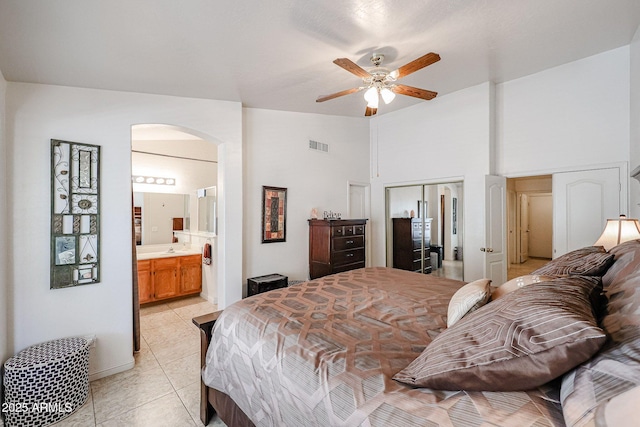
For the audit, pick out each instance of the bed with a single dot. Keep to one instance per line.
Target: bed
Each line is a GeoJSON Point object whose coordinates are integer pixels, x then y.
{"type": "Point", "coordinates": [360, 348]}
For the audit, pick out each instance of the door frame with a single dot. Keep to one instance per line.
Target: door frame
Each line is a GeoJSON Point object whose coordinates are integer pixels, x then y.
{"type": "Point", "coordinates": [367, 210]}
{"type": "Point", "coordinates": [388, 235]}
{"type": "Point", "coordinates": [624, 179]}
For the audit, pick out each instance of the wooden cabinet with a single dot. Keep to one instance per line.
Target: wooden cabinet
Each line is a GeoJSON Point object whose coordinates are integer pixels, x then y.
{"type": "Point", "coordinates": [411, 247]}
{"type": "Point", "coordinates": [165, 277]}
{"type": "Point", "coordinates": [169, 277]}
{"type": "Point", "coordinates": [335, 246]}
{"type": "Point", "coordinates": [145, 286]}
{"type": "Point", "coordinates": [190, 274]}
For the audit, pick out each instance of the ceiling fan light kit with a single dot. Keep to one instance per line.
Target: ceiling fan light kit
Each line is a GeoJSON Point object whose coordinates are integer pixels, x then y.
{"type": "Point", "coordinates": [380, 82]}
{"type": "Point", "coordinates": [371, 96]}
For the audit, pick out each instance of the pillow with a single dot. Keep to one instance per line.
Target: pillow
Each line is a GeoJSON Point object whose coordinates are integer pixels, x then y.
{"type": "Point", "coordinates": [519, 342]}
{"type": "Point", "coordinates": [588, 261]}
{"type": "Point", "coordinates": [517, 283]}
{"type": "Point", "coordinates": [621, 411]}
{"type": "Point", "coordinates": [616, 367]}
{"type": "Point", "coordinates": [468, 298]}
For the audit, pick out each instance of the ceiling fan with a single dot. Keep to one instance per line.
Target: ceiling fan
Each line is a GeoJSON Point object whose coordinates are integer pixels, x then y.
{"type": "Point", "coordinates": [381, 82]}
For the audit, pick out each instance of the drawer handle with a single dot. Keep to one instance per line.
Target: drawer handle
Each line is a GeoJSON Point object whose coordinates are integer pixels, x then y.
{"type": "Point", "coordinates": [349, 254]}
{"type": "Point", "coordinates": [349, 242]}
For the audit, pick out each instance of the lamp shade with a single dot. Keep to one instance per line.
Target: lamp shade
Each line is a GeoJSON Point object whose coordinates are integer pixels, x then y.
{"type": "Point", "coordinates": [617, 231]}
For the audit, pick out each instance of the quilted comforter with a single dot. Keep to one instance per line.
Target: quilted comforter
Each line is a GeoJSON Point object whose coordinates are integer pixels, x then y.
{"type": "Point", "coordinates": [323, 353]}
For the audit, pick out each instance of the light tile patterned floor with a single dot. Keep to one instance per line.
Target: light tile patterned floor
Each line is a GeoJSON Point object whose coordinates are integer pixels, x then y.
{"type": "Point", "coordinates": [450, 269]}
{"type": "Point", "coordinates": [516, 270]}
{"type": "Point", "coordinates": [163, 389]}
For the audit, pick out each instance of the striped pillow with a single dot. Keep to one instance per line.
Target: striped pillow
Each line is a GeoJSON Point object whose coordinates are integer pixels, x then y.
{"type": "Point", "coordinates": [517, 283]}
{"type": "Point", "coordinates": [588, 261]}
{"type": "Point", "coordinates": [616, 368]}
{"type": "Point", "coordinates": [468, 298]}
{"type": "Point", "coordinates": [519, 342]}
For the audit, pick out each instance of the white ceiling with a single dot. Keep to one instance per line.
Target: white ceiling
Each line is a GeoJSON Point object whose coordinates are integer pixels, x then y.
{"type": "Point", "coordinates": [278, 54]}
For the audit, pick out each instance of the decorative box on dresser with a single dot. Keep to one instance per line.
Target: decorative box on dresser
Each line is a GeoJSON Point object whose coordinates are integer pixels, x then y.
{"type": "Point", "coordinates": [408, 244]}
{"type": "Point", "coordinates": [335, 246]}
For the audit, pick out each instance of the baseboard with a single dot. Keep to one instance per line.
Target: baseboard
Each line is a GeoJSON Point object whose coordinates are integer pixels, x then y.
{"type": "Point", "coordinates": [111, 371]}
{"type": "Point", "coordinates": [212, 300]}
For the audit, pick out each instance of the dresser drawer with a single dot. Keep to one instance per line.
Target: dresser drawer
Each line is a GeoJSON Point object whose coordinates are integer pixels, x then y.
{"type": "Point", "coordinates": [348, 257]}
{"type": "Point", "coordinates": [344, 243]}
{"type": "Point", "coordinates": [347, 267]}
{"type": "Point", "coordinates": [347, 230]}
{"type": "Point", "coordinates": [417, 266]}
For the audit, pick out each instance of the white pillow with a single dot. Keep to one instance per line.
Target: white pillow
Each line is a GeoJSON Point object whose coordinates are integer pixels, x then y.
{"type": "Point", "coordinates": [468, 298]}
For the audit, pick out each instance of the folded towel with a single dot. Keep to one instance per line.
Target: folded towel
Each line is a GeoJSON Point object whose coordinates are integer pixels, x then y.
{"type": "Point", "coordinates": [206, 254]}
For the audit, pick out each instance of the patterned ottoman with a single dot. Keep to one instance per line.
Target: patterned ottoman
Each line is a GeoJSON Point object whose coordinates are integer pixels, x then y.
{"type": "Point", "coordinates": [46, 382]}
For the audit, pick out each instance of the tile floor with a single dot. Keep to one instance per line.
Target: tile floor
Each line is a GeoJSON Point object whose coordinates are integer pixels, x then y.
{"type": "Point", "coordinates": [450, 269]}
{"type": "Point", "coordinates": [526, 267]}
{"type": "Point", "coordinates": [163, 389]}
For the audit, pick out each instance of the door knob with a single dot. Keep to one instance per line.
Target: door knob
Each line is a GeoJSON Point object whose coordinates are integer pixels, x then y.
{"type": "Point", "coordinates": [489, 250]}
{"type": "Point", "coordinates": [483, 249]}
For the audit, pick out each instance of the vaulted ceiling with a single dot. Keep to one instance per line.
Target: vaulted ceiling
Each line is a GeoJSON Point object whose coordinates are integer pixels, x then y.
{"type": "Point", "coordinates": [278, 54]}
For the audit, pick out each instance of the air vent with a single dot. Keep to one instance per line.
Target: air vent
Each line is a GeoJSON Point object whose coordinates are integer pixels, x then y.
{"type": "Point", "coordinates": [318, 146]}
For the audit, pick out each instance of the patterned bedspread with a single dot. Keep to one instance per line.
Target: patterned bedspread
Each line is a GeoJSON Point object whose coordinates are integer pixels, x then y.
{"type": "Point", "coordinates": [322, 353]}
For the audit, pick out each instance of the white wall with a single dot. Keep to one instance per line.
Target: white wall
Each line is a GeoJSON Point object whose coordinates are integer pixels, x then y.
{"type": "Point", "coordinates": [634, 151]}
{"type": "Point", "coordinates": [565, 117]}
{"type": "Point", "coordinates": [278, 154]}
{"type": "Point", "coordinates": [189, 174]}
{"type": "Point", "coordinates": [569, 117]}
{"type": "Point", "coordinates": [5, 319]}
{"type": "Point", "coordinates": [37, 113]}
{"type": "Point", "coordinates": [443, 140]}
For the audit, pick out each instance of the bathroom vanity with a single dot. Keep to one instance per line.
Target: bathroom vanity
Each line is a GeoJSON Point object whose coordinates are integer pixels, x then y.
{"type": "Point", "coordinates": [168, 275]}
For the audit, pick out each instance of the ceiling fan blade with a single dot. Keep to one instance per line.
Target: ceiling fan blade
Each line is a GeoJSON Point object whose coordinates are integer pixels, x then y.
{"type": "Point", "coordinates": [370, 111]}
{"type": "Point", "coordinates": [337, 94]}
{"type": "Point", "coordinates": [352, 67]}
{"type": "Point", "coordinates": [415, 65]}
{"type": "Point", "coordinates": [414, 91]}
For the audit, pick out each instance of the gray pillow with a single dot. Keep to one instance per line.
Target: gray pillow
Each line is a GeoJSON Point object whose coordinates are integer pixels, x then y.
{"type": "Point", "coordinates": [588, 261]}
{"type": "Point", "coordinates": [521, 341]}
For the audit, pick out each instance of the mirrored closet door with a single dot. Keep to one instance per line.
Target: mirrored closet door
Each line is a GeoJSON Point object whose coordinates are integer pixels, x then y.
{"type": "Point", "coordinates": [424, 228]}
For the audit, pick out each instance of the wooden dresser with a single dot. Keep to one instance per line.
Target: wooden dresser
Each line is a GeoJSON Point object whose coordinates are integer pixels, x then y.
{"type": "Point", "coordinates": [335, 246]}
{"type": "Point", "coordinates": [407, 244]}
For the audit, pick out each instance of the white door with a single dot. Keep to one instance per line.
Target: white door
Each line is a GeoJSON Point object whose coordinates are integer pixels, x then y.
{"type": "Point", "coordinates": [541, 225]}
{"type": "Point", "coordinates": [359, 208]}
{"type": "Point", "coordinates": [495, 266]}
{"type": "Point", "coordinates": [524, 228]}
{"type": "Point", "coordinates": [582, 202]}
{"type": "Point", "coordinates": [357, 201]}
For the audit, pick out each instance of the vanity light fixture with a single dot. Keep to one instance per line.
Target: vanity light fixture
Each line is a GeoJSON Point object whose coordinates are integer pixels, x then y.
{"type": "Point", "coordinates": [141, 179]}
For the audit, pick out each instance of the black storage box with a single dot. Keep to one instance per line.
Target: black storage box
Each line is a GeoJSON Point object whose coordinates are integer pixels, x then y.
{"type": "Point", "coordinates": [257, 285]}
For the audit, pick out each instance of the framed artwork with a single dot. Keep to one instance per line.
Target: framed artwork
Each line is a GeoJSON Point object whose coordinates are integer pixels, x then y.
{"type": "Point", "coordinates": [75, 214]}
{"type": "Point", "coordinates": [455, 216]}
{"type": "Point", "coordinates": [274, 214]}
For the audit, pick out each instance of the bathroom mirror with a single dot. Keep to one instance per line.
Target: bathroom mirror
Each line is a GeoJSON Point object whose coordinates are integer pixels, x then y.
{"type": "Point", "coordinates": [207, 198]}
{"type": "Point", "coordinates": [158, 215]}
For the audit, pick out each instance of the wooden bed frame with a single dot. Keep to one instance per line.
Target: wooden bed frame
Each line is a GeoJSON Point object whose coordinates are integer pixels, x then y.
{"type": "Point", "coordinates": [213, 401]}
